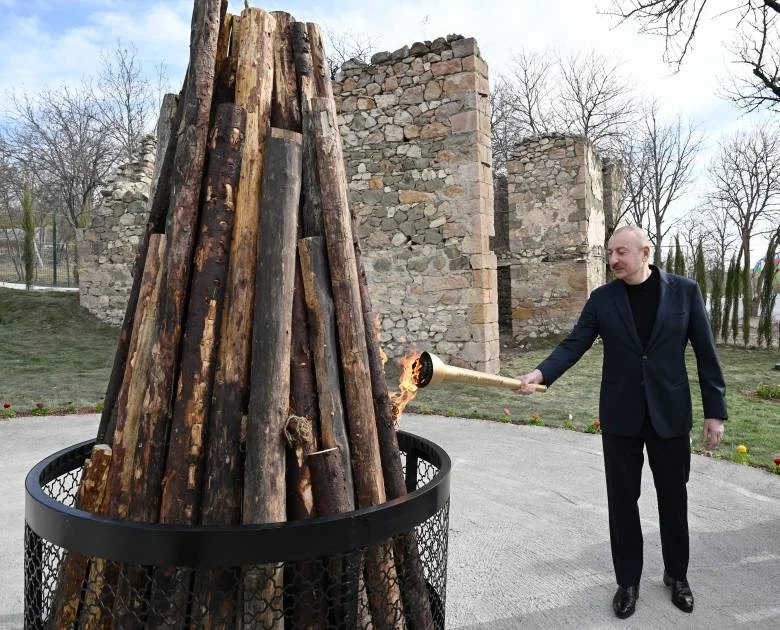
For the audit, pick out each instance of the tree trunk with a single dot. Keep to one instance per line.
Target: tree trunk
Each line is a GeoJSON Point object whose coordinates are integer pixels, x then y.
{"type": "Point", "coordinates": [407, 554]}
{"type": "Point", "coordinates": [381, 578]}
{"type": "Point", "coordinates": [182, 483]}
{"type": "Point", "coordinates": [181, 229]}
{"type": "Point", "coordinates": [167, 123]}
{"type": "Point", "coordinates": [74, 566]}
{"type": "Point", "coordinates": [324, 344]}
{"type": "Point", "coordinates": [129, 406]}
{"type": "Point", "coordinates": [264, 485]}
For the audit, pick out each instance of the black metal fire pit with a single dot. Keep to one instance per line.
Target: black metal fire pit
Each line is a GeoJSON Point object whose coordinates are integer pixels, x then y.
{"type": "Point", "coordinates": [321, 560]}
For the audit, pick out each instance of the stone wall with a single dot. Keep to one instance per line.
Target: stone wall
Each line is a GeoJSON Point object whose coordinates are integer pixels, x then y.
{"type": "Point", "coordinates": [108, 247]}
{"type": "Point", "coordinates": [556, 232]}
{"type": "Point", "coordinates": [612, 176]}
{"type": "Point", "coordinates": [416, 135]}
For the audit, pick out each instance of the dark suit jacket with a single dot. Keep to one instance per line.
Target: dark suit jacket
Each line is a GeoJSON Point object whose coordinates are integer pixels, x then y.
{"type": "Point", "coordinates": [652, 380]}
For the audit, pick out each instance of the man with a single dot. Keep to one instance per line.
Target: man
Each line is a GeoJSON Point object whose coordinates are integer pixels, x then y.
{"type": "Point", "coordinates": [645, 319]}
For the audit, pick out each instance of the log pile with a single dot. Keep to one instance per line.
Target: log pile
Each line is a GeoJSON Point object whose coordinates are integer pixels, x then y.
{"type": "Point", "coordinates": [248, 386]}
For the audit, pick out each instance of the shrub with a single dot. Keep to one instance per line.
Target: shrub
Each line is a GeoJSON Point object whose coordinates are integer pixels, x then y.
{"type": "Point", "coordinates": [769, 392]}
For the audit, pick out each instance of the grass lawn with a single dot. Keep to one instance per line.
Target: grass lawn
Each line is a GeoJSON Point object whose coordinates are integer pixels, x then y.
{"type": "Point", "coordinates": [752, 421]}
{"type": "Point", "coordinates": [52, 351]}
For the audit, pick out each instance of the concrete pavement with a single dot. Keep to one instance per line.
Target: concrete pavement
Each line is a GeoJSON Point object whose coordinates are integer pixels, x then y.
{"type": "Point", "coordinates": [529, 540]}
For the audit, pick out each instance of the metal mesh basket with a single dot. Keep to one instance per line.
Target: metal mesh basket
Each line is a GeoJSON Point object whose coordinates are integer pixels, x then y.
{"type": "Point", "coordinates": [376, 568]}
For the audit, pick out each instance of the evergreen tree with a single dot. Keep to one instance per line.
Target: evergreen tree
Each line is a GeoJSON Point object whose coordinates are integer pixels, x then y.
{"type": "Point", "coordinates": [679, 259]}
{"type": "Point", "coordinates": [767, 295]}
{"type": "Point", "coordinates": [701, 272]}
{"type": "Point", "coordinates": [735, 301]}
{"type": "Point", "coordinates": [716, 302]}
{"type": "Point", "coordinates": [669, 266]}
{"type": "Point", "coordinates": [727, 302]}
{"type": "Point", "coordinates": [28, 250]}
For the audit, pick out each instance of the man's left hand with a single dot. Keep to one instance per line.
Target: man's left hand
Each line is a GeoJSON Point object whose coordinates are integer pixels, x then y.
{"type": "Point", "coordinates": [713, 432]}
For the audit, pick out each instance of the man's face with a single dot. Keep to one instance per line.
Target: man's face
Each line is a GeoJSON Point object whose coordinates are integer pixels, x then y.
{"type": "Point", "coordinates": [626, 255]}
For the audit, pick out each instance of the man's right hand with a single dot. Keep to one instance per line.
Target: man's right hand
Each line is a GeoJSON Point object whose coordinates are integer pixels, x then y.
{"type": "Point", "coordinates": [532, 378]}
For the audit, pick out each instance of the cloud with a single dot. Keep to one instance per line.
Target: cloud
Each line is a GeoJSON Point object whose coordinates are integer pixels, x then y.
{"type": "Point", "coordinates": [35, 53]}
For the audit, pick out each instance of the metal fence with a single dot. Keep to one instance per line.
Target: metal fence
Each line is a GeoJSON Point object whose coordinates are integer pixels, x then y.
{"type": "Point", "coordinates": [54, 265]}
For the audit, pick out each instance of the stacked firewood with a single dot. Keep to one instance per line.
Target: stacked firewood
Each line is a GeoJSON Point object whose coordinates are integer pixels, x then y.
{"type": "Point", "coordinates": [248, 386]}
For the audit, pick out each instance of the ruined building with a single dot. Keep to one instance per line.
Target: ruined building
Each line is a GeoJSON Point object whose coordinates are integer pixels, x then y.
{"type": "Point", "coordinates": [444, 264]}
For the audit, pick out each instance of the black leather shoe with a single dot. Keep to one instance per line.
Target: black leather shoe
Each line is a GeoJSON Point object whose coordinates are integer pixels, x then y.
{"type": "Point", "coordinates": [682, 597]}
{"type": "Point", "coordinates": [624, 602]}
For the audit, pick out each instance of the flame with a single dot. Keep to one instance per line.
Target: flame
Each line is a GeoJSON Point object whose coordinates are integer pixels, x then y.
{"type": "Point", "coordinates": [407, 385]}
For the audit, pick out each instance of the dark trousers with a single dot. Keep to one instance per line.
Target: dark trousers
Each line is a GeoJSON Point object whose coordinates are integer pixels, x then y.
{"type": "Point", "coordinates": [670, 462]}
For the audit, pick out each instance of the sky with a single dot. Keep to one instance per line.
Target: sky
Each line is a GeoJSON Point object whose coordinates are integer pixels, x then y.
{"type": "Point", "coordinates": [50, 42]}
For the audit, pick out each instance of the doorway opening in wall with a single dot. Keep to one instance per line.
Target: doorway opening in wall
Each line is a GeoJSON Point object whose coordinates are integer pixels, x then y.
{"type": "Point", "coordinates": [504, 274]}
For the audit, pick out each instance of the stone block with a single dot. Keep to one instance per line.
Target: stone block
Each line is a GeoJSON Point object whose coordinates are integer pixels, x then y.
{"type": "Point", "coordinates": [451, 66]}
{"type": "Point", "coordinates": [464, 122]}
{"type": "Point", "coordinates": [465, 47]}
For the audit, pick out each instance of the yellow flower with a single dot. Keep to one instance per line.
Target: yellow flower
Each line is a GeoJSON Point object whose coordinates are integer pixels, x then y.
{"type": "Point", "coordinates": [741, 448]}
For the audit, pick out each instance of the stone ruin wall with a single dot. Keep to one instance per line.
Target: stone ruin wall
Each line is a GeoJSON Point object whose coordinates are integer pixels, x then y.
{"type": "Point", "coordinates": [416, 133]}
{"type": "Point", "coordinates": [555, 227]}
{"type": "Point", "coordinates": [107, 250]}
{"type": "Point", "coordinates": [416, 137]}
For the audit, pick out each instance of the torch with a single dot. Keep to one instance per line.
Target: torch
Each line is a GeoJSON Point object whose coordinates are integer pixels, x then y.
{"type": "Point", "coordinates": [428, 369]}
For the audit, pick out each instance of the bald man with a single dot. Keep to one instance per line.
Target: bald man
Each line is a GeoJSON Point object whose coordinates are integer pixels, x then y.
{"type": "Point", "coordinates": [645, 319]}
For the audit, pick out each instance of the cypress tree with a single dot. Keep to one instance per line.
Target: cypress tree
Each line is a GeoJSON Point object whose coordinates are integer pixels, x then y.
{"type": "Point", "coordinates": [735, 301]}
{"type": "Point", "coordinates": [679, 259]}
{"type": "Point", "coordinates": [725, 324]}
{"type": "Point", "coordinates": [28, 249]}
{"type": "Point", "coordinates": [716, 304]}
{"type": "Point", "coordinates": [669, 266]}
{"type": "Point", "coordinates": [701, 272]}
{"type": "Point", "coordinates": [767, 295]}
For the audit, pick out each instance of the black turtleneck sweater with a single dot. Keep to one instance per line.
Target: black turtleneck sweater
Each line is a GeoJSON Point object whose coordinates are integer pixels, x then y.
{"type": "Point", "coordinates": [643, 299]}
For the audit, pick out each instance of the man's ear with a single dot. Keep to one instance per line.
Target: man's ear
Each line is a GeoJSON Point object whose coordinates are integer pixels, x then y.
{"type": "Point", "coordinates": [646, 251]}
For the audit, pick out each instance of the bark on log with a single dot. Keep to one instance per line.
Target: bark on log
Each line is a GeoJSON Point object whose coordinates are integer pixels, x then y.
{"type": "Point", "coordinates": [381, 578]}
{"type": "Point", "coordinates": [225, 66]}
{"type": "Point", "coordinates": [407, 555]}
{"type": "Point", "coordinates": [324, 345]}
{"type": "Point", "coordinates": [75, 566]}
{"type": "Point", "coordinates": [311, 204]}
{"type": "Point", "coordinates": [181, 229]}
{"type": "Point", "coordinates": [254, 81]}
{"type": "Point", "coordinates": [130, 403]}
{"type": "Point", "coordinates": [183, 480]}
{"type": "Point", "coordinates": [264, 486]}
{"type": "Point", "coordinates": [167, 124]}
{"type": "Point", "coordinates": [285, 107]}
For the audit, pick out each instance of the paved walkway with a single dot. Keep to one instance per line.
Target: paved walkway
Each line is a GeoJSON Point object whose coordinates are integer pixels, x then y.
{"type": "Point", "coordinates": [529, 544]}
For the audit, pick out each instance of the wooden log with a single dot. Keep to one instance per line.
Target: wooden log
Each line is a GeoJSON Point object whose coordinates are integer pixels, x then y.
{"type": "Point", "coordinates": [225, 65]}
{"type": "Point", "coordinates": [181, 229]}
{"type": "Point", "coordinates": [130, 403]}
{"type": "Point", "coordinates": [324, 345]}
{"type": "Point", "coordinates": [381, 579]}
{"type": "Point", "coordinates": [320, 68]}
{"type": "Point", "coordinates": [182, 483]}
{"type": "Point", "coordinates": [407, 556]}
{"type": "Point", "coordinates": [74, 566]}
{"type": "Point", "coordinates": [285, 106]}
{"type": "Point", "coordinates": [222, 503]}
{"type": "Point", "coordinates": [159, 195]}
{"type": "Point", "coordinates": [264, 485]}
{"type": "Point", "coordinates": [311, 204]}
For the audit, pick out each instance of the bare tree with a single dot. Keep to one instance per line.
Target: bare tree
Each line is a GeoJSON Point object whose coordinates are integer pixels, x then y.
{"type": "Point", "coordinates": [62, 141]}
{"type": "Point", "coordinates": [594, 100]}
{"type": "Point", "coordinates": [720, 235]}
{"type": "Point", "coordinates": [529, 81]}
{"type": "Point", "coordinates": [125, 98]}
{"type": "Point", "coordinates": [636, 191]}
{"type": "Point", "coordinates": [670, 150]}
{"type": "Point", "coordinates": [345, 46]}
{"type": "Point", "coordinates": [757, 48]}
{"type": "Point", "coordinates": [745, 182]}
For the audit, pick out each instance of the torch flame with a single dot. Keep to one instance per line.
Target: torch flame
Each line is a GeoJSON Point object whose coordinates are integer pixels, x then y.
{"type": "Point", "coordinates": [407, 385]}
